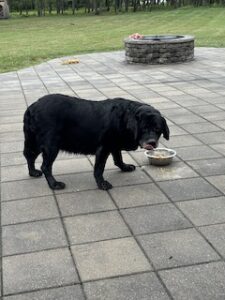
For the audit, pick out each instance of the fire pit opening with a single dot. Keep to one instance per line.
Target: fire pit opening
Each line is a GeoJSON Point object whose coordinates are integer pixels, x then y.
{"type": "Point", "coordinates": [159, 49]}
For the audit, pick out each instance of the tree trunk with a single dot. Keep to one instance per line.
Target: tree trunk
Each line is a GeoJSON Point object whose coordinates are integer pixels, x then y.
{"type": "Point", "coordinates": [126, 5]}
{"type": "Point", "coordinates": [96, 7]}
{"type": "Point", "coordinates": [50, 6]}
{"type": "Point", "coordinates": [73, 6]}
{"type": "Point", "coordinates": [62, 7]}
{"type": "Point", "coordinates": [58, 7]}
{"type": "Point", "coordinates": [21, 8]}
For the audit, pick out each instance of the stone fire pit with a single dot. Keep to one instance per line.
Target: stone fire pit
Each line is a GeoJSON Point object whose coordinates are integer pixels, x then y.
{"type": "Point", "coordinates": [159, 49]}
{"type": "Point", "coordinates": [4, 9]}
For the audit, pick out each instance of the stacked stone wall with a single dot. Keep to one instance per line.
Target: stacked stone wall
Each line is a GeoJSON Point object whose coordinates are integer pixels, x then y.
{"type": "Point", "coordinates": [159, 52]}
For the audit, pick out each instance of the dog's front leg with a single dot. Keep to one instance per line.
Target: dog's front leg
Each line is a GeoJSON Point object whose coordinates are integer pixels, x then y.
{"type": "Point", "coordinates": [100, 161]}
{"type": "Point", "coordinates": [118, 160]}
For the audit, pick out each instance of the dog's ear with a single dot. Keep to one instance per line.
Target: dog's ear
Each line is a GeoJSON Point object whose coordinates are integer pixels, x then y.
{"type": "Point", "coordinates": [132, 126]}
{"type": "Point", "coordinates": [166, 131]}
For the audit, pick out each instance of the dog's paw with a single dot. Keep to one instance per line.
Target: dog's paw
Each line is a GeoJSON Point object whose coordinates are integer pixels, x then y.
{"type": "Point", "coordinates": [104, 185]}
{"type": "Point", "coordinates": [35, 173]}
{"type": "Point", "coordinates": [57, 185]}
{"type": "Point", "coordinates": [128, 168]}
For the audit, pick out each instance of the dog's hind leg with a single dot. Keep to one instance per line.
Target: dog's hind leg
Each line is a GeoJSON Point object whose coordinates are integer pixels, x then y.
{"type": "Point", "coordinates": [31, 152]}
{"type": "Point", "coordinates": [118, 161]}
{"type": "Point", "coordinates": [100, 161]}
{"type": "Point", "coordinates": [49, 155]}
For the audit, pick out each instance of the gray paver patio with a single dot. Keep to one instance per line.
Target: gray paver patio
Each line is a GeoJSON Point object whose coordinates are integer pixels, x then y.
{"type": "Point", "coordinates": [159, 234]}
{"type": "Point", "coordinates": [31, 237]}
{"type": "Point", "coordinates": [109, 258]}
{"type": "Point", "coordinates": [141, 286]}
{"type": "Point", "coordinates": [203, 282]}
{"type": "Point", "coordinates": [38, 270]}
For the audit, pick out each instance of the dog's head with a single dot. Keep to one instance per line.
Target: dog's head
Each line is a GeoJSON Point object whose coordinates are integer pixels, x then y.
{"type": "Point", "coordinates": [147, 127]}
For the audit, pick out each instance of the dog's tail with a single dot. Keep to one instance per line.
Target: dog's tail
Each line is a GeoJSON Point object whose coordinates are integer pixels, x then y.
{"type": "Point", "coordinates": [29, 130]}
{"type": "Point", "coordinates": [27, 122]}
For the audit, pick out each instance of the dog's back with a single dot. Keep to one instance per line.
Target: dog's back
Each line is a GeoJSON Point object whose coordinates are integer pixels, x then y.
{"type": "Point", "coordinates": [77, 125]}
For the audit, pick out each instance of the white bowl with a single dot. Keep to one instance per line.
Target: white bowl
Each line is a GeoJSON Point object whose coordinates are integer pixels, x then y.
{"type": "Point", "coordinates": [160, 156]}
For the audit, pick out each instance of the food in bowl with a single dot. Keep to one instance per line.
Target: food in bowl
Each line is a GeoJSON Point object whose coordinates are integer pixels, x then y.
{"type": "Point", "coordinates": [160, 156]}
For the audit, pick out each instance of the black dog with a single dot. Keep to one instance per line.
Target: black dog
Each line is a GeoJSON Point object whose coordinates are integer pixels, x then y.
{"type": "Point", "coordinates": [58, 122]}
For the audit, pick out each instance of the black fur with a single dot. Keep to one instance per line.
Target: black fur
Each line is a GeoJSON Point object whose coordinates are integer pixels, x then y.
{"type": "Point", "coordinates": [58, 122]}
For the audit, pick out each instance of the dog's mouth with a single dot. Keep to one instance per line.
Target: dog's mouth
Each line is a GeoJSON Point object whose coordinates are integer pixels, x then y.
{"type": "Point", "coordinates": [149, 146]}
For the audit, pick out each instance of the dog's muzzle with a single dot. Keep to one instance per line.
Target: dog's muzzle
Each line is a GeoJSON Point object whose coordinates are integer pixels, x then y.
{"type": "Point", "coordinates": [149, 145]}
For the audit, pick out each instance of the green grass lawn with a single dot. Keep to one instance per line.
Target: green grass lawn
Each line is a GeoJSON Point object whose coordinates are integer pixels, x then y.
{"type": "Point", "coordinates": [25, 41]}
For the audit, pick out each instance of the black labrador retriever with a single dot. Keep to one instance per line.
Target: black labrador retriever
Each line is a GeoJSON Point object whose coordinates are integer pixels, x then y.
{"type": "Point", "coordinates": [58, 122]}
